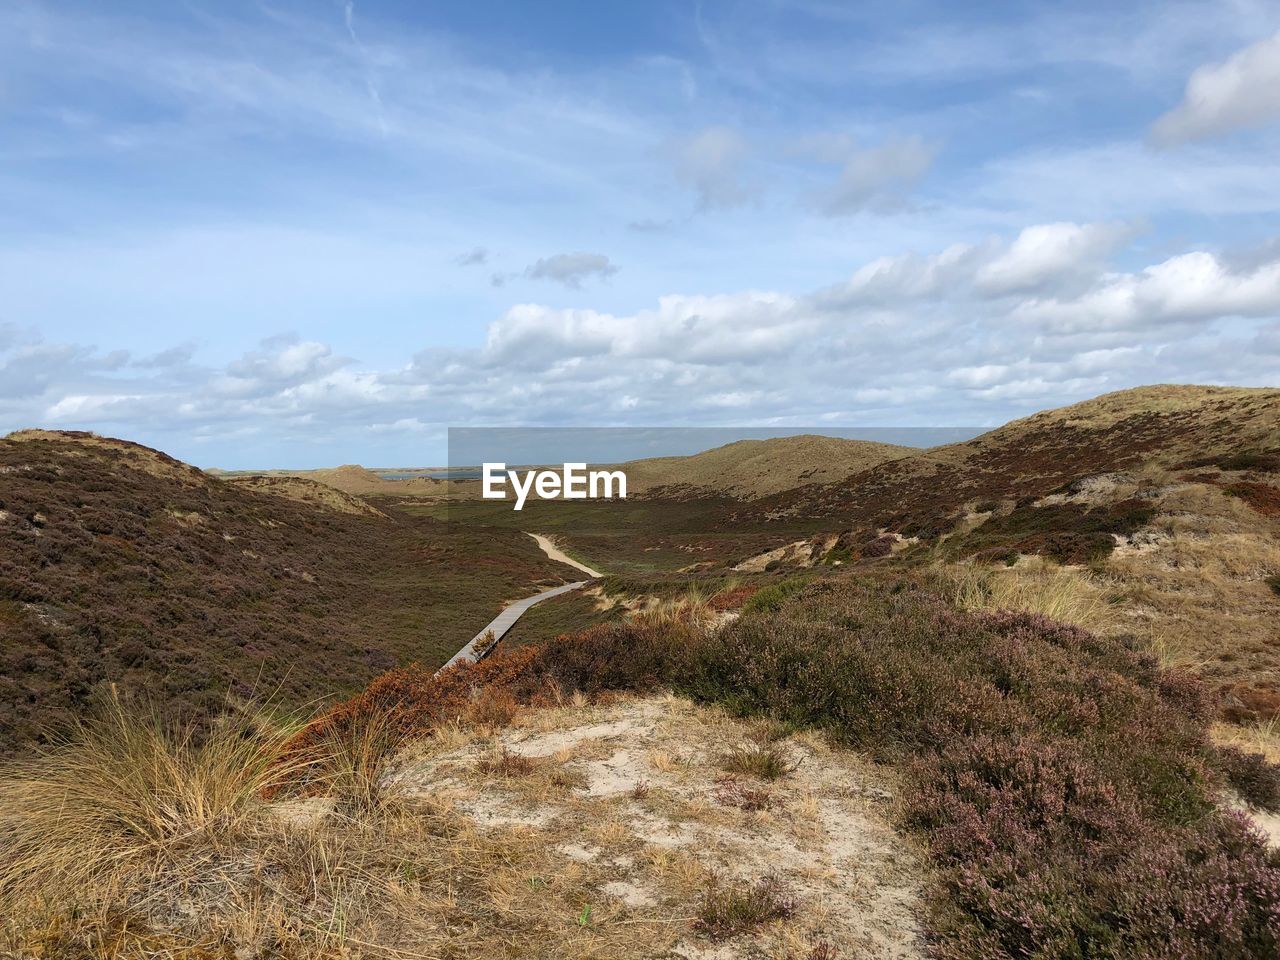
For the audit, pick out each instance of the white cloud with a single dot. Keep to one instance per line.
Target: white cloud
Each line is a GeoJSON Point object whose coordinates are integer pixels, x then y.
{"type": "Point", "coordinates": [571, 269]}
{"type": "Point", "coordinates": [907, 339]}
{"type": "Point", "coordinates": [1192, 287]}
{"type": "Point", "coordinates": [872, 178]}
{"type": "Point", "coordinates": [1242, 91]}
{"type": "Point", "coordinates": [1048, 251]}
{"type": "Point", "coordinates": [711, 163]}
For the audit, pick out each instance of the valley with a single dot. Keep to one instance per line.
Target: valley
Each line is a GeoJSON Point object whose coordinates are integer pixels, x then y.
{"type": "Point", "coordinates": [998, 685]}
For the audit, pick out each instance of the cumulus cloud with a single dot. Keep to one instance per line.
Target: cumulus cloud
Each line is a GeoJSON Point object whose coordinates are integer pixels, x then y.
{"type": "Point", "coordinates": [711, 163]}
{"type": "Point", "coordinates": [571, 269]}
{"type": "Point", "coordinates": [874, 178]}
{"type": "Point", "coordinates": [1191, 287]}
{"type": "Point", "coordinates": [917, 338]}
{"type": "Point", "coordinates": [1242, 91]}
{"type": "Point", "coordinates": [1048, 252]}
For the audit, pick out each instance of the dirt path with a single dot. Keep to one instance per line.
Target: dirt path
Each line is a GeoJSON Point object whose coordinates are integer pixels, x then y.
{"type": "Point", "coordinates": [555, 553]}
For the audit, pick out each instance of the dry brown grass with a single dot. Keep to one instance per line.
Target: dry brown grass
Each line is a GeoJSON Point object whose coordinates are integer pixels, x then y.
{"type": "Point", "coordinates": [136, 840]}
{"type": "Point", "coordinates": [1196, 593]}
{"type": "Point", "coordinates": [1033, 586]}
{"type": "Point", "coordinates": [122, 794]}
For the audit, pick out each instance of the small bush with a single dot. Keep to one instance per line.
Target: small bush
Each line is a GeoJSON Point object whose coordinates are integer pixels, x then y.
{"type": "Point", "coordinates": [732, 793]}
{"type": "Point", "coordinates": [1255, 778]}
{"type": "Point", "coordinates": [771, 598]}
{"type": "Point", "coordinates": [728, 911]}
{"type": "Point", "coordinates": [507, 764]}
{"type": "Point", "coordinates": [493, 707]}
{"type": "Point", "coordinates": [1274, 583]}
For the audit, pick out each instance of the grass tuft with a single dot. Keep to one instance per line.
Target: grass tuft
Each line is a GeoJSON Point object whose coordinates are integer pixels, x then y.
{"type": "Point", "coordinates": [123, 792]}
{"type": "Point", "coordinates": [507, 764]}
{"type": "Point", "coordinates": [763, 761]}
{"type": "Point", "coordinates": [730, 910]}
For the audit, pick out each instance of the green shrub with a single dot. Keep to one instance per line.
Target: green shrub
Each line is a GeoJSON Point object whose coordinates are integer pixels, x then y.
{"type": "Point", "coordinates": [771, 598]}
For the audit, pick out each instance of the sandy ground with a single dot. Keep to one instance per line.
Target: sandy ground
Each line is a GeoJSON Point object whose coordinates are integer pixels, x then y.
{"type": "Point", "coordinates": [555, 553]}
{"type": "Point", "coordinates": [633, 799]}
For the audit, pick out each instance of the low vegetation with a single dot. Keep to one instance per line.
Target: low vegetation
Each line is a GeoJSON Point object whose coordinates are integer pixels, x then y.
{"type": "Point", "coordinates": [123, 565]}
{"type": "Point", "coordinates": [728, 910]}
{"type": "Point", "coordinates": [1065, 784]}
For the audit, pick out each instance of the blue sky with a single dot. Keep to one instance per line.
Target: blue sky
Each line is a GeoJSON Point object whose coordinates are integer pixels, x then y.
{"type": "Point", "coordinates": [298, 234]}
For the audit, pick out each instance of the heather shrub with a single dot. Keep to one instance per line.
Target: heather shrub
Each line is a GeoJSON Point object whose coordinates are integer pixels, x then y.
{"type": "Point", "coordinates": [771, 598]}
{"type": "Point", "coordinates": [1063, 783]}
{"type": "Point", "coordinates": [1254, 778]}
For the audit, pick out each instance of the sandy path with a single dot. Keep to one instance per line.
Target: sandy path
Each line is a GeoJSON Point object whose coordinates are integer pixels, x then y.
{"type": "Point", "coordinates": [555, 553]}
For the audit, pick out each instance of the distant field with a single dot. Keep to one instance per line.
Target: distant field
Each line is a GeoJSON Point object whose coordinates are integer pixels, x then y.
{"type": "Point", "coordinates": [630, 536]}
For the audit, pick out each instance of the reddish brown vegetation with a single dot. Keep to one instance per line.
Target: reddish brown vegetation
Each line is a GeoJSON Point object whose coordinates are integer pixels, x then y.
{"type": "Point", "coordinates": [1261, 496]}
{"type": "Point", "coordinates": [121, 565]}
{"type": "Point", "coordinates": [733, 598]}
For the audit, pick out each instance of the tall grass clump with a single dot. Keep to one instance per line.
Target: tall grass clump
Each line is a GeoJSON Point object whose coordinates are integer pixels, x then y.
{"type": "Point", "coordinates": [119, 794]}
{"type": "Point", "coordinates": [1044, 588]}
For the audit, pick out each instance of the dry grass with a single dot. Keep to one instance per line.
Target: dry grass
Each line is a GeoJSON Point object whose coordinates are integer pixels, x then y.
{"type": "Point", "coordinates": [1262, 737]}
{"type": "Point", "coordinates": [134, 840]}
{"type": "Point", "coordinates": [728, 910]}
{"type": "Point", "coordinates": [764, 761]}
{"type": "Point", "coordinates": [1196, 593]}
{"type": "Point", "coordinates": [121, 795]}
{"type": "Point", "coordinates": [692, 608]}
{"type": "Point", "coordinates": [1033, 586]}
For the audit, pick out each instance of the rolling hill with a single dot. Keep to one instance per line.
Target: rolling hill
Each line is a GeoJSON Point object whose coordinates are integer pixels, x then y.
{"type": "Point", "coordinates": [124, 566]}
{"type": "Point", "coordinates": [749, 469]}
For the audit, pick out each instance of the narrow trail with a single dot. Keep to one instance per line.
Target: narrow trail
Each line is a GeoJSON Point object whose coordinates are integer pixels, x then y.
{"type": "Point", "coordinates": [482, 644]}
{"type": "Point", "coordinates": [555, 553]}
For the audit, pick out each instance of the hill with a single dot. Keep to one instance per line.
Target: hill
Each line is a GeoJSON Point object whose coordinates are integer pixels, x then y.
{"type": "Point", "coordinates": [1147, 426]}
{"type": "Point", "coordinates": [1151, 513]}
{"type": "Point", "coordinates": [124, 566]}
{"type": "Point", "coordinates": [748, 469]}
{"type": "Point", "coordinates": [307, 491]}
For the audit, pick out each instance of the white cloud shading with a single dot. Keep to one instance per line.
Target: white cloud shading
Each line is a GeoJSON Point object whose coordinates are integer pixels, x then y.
{"type": "Point", "coordinates": [571, 269]}
{"type": "Point", "coordinates": [712, 163]}
{"type": "Point", "coordinates": [1242, 91]}
{"type": "Point", "coordinates": [876, 178]}
{"type": "Point", "coordinates": [1047, 252]}
{"type": "Point", "coordinates": [900, 339]}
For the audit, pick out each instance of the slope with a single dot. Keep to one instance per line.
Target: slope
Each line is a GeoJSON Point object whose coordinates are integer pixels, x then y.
{"type": "Point", "coordinates": [121, 565]}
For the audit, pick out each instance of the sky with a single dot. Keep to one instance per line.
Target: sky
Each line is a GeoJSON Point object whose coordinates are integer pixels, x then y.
{"type": "Point", "coordinates": [296, 234]}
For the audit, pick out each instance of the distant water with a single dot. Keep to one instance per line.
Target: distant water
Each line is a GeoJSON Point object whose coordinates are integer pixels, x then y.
{"type": "Point", "coordinates": [434, 475]}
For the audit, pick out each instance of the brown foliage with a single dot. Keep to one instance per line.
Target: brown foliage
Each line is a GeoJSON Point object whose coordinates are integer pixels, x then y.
{"type": "Point", "coordinates": [123, 566]}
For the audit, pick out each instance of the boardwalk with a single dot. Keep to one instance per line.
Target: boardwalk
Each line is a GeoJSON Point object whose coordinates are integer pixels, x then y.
{"type": "Point", "coordinates": [484, 641]}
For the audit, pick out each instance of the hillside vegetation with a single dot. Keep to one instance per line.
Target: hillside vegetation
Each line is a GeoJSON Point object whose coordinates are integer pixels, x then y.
{"type": "Point", "coordinates": [122, 565]}
{"type": "Point", "coordinates": [748, 469]}
{"type": "Point", "coordinates": [1056, 794]}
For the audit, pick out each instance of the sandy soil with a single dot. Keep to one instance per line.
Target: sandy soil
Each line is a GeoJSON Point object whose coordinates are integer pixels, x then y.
{"type": "Point", "coordinates": [555, 553]}
{"type": "Point", "coordinates": [634, 799]}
